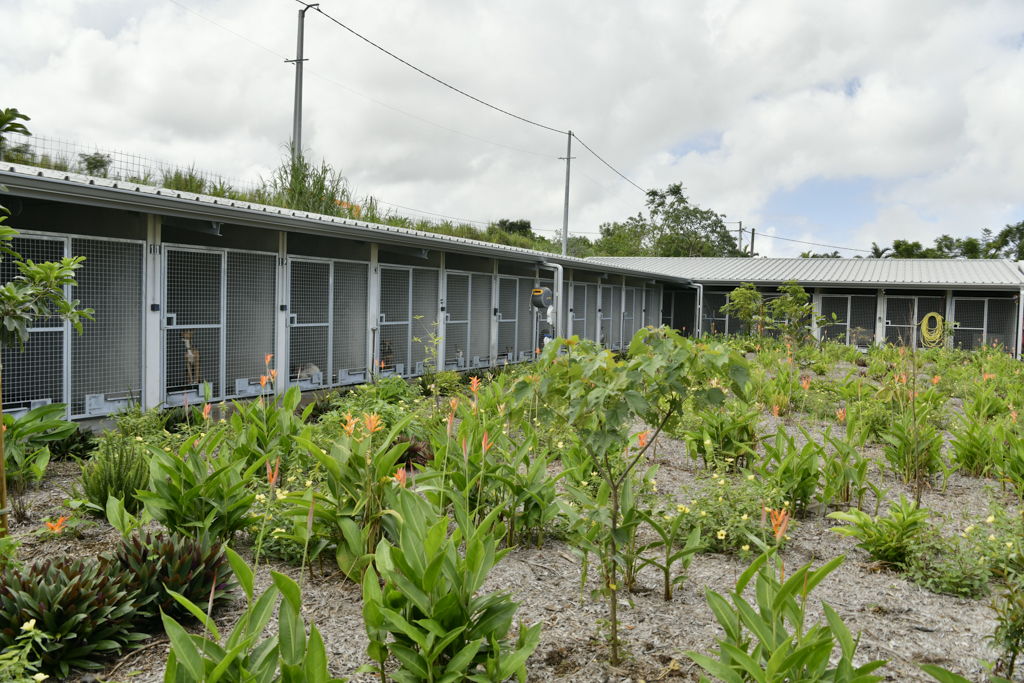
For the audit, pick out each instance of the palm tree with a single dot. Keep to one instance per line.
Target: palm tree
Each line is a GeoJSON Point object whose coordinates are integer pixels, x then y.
{"type": "Point", "coordinates": [879, 252]}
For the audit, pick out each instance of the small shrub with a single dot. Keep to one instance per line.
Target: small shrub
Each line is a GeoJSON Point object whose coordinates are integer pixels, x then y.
{"type": "Point", "coordinates": [157, 563]}
{"type": "Point", "coordinates": [889, 539]}
{"type": "Point", "coordinates": [84, 607]}
{"type": "Point", "coordinates": [77, 445]}
{"type": "Point", "coordinates": [1008, 637]}
{"type": "Point", "coordinates": [727, 434]}
{"type": "Point", "coordinates": [908, 451]}
{"type": "Point", "coordinates": [727, 508]}
{"type": "Point", "coordinates": [955, 564]}
{"type": "Point", "coordinates": [445, 383]}
{"type": "Point", "coordinates": [975, 446]}
{"type": "Point", "coordinates": [791, 472]}
{"type": "Point", "coordinates": [119, 469]}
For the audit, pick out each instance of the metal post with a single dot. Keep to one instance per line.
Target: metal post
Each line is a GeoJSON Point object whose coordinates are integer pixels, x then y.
{"type": "Point", "coordinates": [752, 232]}
{"type": "Point", "coordinates": [565, 214]}
{"type": "Point", "coordinates": [741, 237]}
{"type": "Point", "coordinates": [297, 116]}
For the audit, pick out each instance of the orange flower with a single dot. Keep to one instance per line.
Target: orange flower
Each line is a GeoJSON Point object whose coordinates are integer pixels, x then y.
{"type": "Point", "coordinates": [805, 382]}
{"type": "Point", "coordinates": [273, 374]}
{"type": "Point", "coordinates": [373, 422]}
{"type": "Point", "coordinates": [487, 445]}
{"type": "Point", "coordinates": [454, 403]}
{"type": "Point", "coordinates": [350, 423]}
{"type": "Point", "coordinates": [400, 477]}
{"type": "Point", "coordinates": [780, 520]}
{"type": "Point", "coordinates": [537, 351]}
{"type": "Point", "coordinates": [58, 526]}
{"type": "Point", "coordinates": [775, 411]}
{"type": "Point", "coordinates": [1013, 415]}
{"type": "Point", "coordinates": [263, 380]}
{"type": "Point", "coordinates": [382, 365]}
{"type": "Point", "coordinates": [272, 476]}
{"type": "Point", "coordinates": [267, 358]}
{"type": "Point", "coordinates": [206, 411]}
{"type": "Point", "coordinates": [474, 384]}
{"type": "Point", "coordinates": [642, 436]}
{"type": "Point", "coordinates": [935, 379]}
{"type": "Point", "coordinates": [451, 423]}
{"type": "Point", "coordinates": [841, 414]}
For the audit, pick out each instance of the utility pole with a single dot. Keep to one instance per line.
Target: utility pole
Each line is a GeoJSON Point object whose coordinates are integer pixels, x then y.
{"type": "Point", "coordinates": [565, 215]}
{"type": "Point", "coordinates": [741, 237]}
{"type": "Point", "coordinates": [297, 115]}
{"type": "Point", "coordinates": [752, 232]}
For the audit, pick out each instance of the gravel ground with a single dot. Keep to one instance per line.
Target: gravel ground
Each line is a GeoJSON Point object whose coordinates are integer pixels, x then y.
{"type": "Point", "coordinates": [899, 621]}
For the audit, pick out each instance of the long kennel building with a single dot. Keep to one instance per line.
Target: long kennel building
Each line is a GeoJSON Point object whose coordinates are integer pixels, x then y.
{"type": "Point", "coordinates": [191, 290]}
{"type": "Point", "coordinates": [875, 301]}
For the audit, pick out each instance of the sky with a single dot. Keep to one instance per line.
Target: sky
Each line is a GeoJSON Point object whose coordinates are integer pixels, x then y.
{"type": "Point", "coordinates": [840, 123]}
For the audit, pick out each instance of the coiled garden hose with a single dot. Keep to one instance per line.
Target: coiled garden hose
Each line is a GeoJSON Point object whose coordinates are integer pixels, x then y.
{"type": "Point", "coordinates": [932, 337]}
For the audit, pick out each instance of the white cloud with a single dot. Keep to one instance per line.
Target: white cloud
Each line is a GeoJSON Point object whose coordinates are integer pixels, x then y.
{"type": "Point", "coordinates": [921, 96]}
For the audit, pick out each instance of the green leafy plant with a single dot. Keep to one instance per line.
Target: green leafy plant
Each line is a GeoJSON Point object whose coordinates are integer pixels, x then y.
{"type": "Point", "coordinates": [889, 539]}
{"type": "Point", "coordinates": [914, 446]}
{"type": "Point", "coordinates": [157, 565]}
{"type": "Point", "coordinates": [76, 446]}
{"type": "Point", "coordinates": [781, 655]}
{"type": "Point", "coordinates": [26, 440]}
{"type": "Point", "coordinates": [790, 471]}
{"type": "Point", "coordinates": [727, 434]}
{"type": "Point", "coordinates": [122, 520]}
{"type": "Point", "coordinates": [84, 607]}
{"type": "Point", "coordinates": [956, 564]}
{"type": "Point", "coordinates": [16, 661]}
{"type": "Point", "coordinates": [201, 487]}
{"type": "Point", "coordinates": [1008, 637]}
{"type": "Point", "coordinates": [118, 469]}
{"type": "Point", "coordinates": [270, 429]}
{"type": "Point", "coordinates": [666, 525]}
{"type": "Point", "coordinates": [530, 491]}
{"type": "Point", "coordinates": [975, 445]}
{"type": "Point", "coordinates": [845, 473]}
{"type": "Point", "coordinates": [244, 655]}
{"type": "Point", "coordinates": [443, 628]}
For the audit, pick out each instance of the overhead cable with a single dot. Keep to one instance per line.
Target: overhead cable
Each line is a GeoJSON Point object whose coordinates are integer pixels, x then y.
{"type": "Point", "coordinates": [431, 77]}
{"type": "Point", "coordinates": [608, 165]}
{"type": "Point", "coordinates": [816, 244]}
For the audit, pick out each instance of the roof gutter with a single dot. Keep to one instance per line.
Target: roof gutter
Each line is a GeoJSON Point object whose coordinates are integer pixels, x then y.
{"type": "Point", "coordinates": [218, 210]}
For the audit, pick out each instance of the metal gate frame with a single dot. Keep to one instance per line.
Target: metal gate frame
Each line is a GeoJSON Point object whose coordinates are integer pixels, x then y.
{"type": "Point", "coordinates": [195, 397]}
{"type": "Point", "coordinates": [913, 326]}
{"type": "Point", "coordinates": [983, 331]}
{"type": "Point", "coordinates": [109, 406]}
{"type": "Point", "coordinates": [404, 369]}
{"type": "Point", "coordinates": [507, 355]}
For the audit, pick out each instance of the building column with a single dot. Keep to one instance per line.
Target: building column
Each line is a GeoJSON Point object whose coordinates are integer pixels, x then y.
{"type": "Point", "coordinates": [442, 289]}
{"type": "Point", "coordinates": [816, 307]}
{"type": "Point", "coordinates": [949, 315]}
{"type": "Point", "coordinates": [281, 330]}
{"type": "Point", "coordinates": [495, 293]}
{"type": "Point", "coordinates": [880, 318]}
{"type": "Point", "coordinates": [153, 320]}
{"type": "Point", "coordinates": [373, 311]}
{"type": "Point", "coordinates": [1020, 321]}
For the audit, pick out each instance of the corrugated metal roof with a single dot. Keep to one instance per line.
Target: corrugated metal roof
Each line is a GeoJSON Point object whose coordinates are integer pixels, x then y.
{"type": "Point", "coordinates": [888, 272]}
{"type": "Point", "coordinates": [64, 186]}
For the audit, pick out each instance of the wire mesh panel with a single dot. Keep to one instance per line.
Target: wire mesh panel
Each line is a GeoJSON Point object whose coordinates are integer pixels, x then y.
{"type": "Point", "coordinates": [862, 320]}
{"type": "Point", "coordinates": [606, 317]}
{"type": "Point", "coordinates": [525, 340]}
{"type": "Point", "coordinates": [578, 313]}
{"type": "Point", "coordinates": [35, 376]}
{"type": "Point", "coordinates": [713, 320]}
{"type": "Point", "coordinates": [508, 316]}
{"type": "Point", "coordinates": [592, 321]}
{"type": "Point", "coordinates": [836, 312]}
{"type": "Point", "coordinates": [309, 322]}
{"type": "Point", "coordinates": [630, 315]}
{"type": "Point", "coordinates": [615, 306]}
{"type": "Point", "coordinates": [193, 308]}
{"type": "Point", "coordinates": [106, 359]}
{"type": "Point", "coordinates": [393, 335]}
{"type": "Point", "coordinates": [653, 307]}
{"type": "Point", "coordinates": [424, 318]}
{"type": "Point", "coordinates": [1001, 324]}
{"type": "Point", "coordinates": [351, 290]}
{"type": "Point", "coordinates": [900, 321]}
{"type": "Point", "coordinates": [544, 329]}
{"type": "Point", "coordinates": [456, 335]}
{"type": "Point", "coordinates": [480, 320]}
{"type": "Point", "coordinates": [668, 309]}
{"type": "Point", "coordinates": [250, 333]}
{"type": "Point", "coordinates": [565, 317]}
{"type": "Point", "coordinates": [969, 321]}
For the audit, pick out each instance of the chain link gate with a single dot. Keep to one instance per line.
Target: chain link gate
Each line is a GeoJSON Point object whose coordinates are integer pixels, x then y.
{"type": "Point", "coordinates": [310, 290]}
{"type": "Point", "coordinates": [480, 316]}
{"type": "Point", "coordinates": [903, 315]}
{"type": "Point", "coordinates": [456, 325]}
{"type": "Point", "coordinates": [984, 321]}
{"type": "Point", "coordinates": [406, 317]}
{"type": "Point", "coordinates": [578, 311]}
{"type": "Point", "coordinates": [526, 321]}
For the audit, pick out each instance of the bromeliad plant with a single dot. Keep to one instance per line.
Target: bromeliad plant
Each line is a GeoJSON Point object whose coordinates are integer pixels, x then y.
{"type": "Point", "coordinates": [443, 629]}
{"type": "Point", "coordinates": [599, 397]}
{"type": "Point", "coordinates": [781, 655]}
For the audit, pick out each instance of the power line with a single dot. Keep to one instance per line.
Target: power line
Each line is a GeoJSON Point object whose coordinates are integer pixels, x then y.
{"type": "Point", "coordinates": [428, 213]}
{"type": "Point", "coordinates": [359, 94]}
{"type": "Point", "coordinates": [816, 244]}
{"type": "Point", "coordinates": [434, 78]}
{"type": "Point", "coordinates": [608, 165]}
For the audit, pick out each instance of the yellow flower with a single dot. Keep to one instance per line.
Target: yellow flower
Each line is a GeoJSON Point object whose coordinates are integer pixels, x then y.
{"type": "Point", "coordinates": [138, 438]}
{"type": "Point", "coordinates": [559, 444]}
{"type": "Point", "coordinates": [593, 474]}
{"type": "Point", "coordinates": [612, 586]}
{"type": "Point", "coordinates": [29, 625]}
{"type": "Point", "coordinates": [40, 677]}
{"type": "Point", "coordinates": [279, 531]}
{"type": "Point", "coordinates": [786, 504]}
{"type": "Point", "coordinates": [291, 479]}
{"type": "Point", "coordinates": [680, 508]}
{"type": "Point", "coordinates": [309, 483]}
{"type": "Point", "coordinates": [969, 529]}
{"type": "Point", "coordinates": [668, 518]}
{"type": "Point", "coordinates": [744, 518]}
{"type": "Point", "coordinates": [1009, 544]}
{"type": "Point", "coordinates": [722, 481]}
{"type": "Point", "coordinates": [281, 494]}
{"type": "Point", "coordinates": [991, 537]}
{"type": "Point", "coordinates": [720, 499]}
{"type": "Point", "coordinates": [751, 477]}
{"type": "Point", "coordinates": [991, 519]}
{"type": "Point", "coordinates": [703, 514]}
{"type": "Point", "coordinates": [746, 548]}
{"type": "Point", "coordinates": [721, 534]}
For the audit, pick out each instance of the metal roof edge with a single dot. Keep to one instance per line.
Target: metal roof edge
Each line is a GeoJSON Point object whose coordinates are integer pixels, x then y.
{"type": "Point", "coordinates": [75, 188]}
